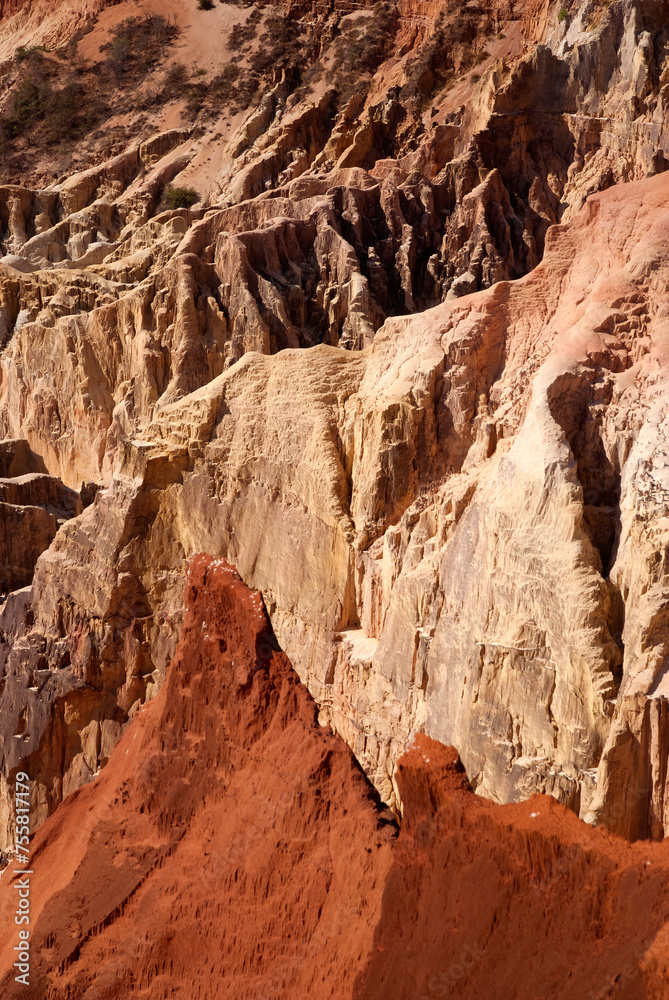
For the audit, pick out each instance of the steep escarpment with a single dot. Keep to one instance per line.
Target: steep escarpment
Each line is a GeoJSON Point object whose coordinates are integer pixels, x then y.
{"type": "Point", "coordinates": [409, 513]}
{"type": "Point", "coordinates": [383, 327]}
{"type": "Point", "coordinates": [344, 206]}
{"type": "Point", "coordinates": [255, 859]}
{"type": "Point", "coordinates": [33, 506]}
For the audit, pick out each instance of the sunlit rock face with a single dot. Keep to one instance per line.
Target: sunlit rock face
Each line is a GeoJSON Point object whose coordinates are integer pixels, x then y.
{"type": "Point", "coordinates": [401, 362]}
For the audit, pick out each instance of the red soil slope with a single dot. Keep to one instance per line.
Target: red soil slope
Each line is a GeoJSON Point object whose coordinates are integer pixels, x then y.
{"type": "Point", "coordinates": [516, 902]}
{"type": "Point", "coordinates": [233, 849]}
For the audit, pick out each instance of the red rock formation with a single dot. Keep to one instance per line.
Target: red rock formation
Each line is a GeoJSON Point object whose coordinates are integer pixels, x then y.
{"type": "Point", "coordinates": [231, 845]}
{"type": "Point", "coordinates": [233, 849]}
{"type": "Point", "coordinates": [522, 901]}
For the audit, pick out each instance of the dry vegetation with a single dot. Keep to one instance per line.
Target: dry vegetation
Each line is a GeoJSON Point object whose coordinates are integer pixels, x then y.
{"type": "Point", "coordinates": [356, 50]}
{"type": "Point", "coordinates": [57, 101]}
{"type": "Point", "coordinates": [361, 48]}
{"type": "Point", "coordinates": [59, 105]}
{"type": "Point", "coordinates": [138, 44]}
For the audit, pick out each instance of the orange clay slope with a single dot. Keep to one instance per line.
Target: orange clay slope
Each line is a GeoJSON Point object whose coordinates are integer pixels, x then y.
{"type": "Point", "coordinates": [232, 848]}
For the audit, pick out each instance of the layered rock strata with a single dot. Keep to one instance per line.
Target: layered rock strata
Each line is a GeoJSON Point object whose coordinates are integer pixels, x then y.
{"type": "Point", "coordinates": [409, 514]}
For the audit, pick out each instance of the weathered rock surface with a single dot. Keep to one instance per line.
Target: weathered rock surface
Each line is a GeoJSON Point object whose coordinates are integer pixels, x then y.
{"type": "Point", "coordinates": [33, 505]}
{"type": "Point", "coordinates": [438, 611]}
{"type": "Point", "coordinates": [409, 514]}
{"type": "Point", "coordinates": [340, 215]}
{"type": "Point", "coordinates": [255, 860]}
{"type": "Point", "coordinates": [458, 521]}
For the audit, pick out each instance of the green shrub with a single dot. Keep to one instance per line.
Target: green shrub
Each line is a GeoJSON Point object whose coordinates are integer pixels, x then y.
{"type": "Point", "coordinates": [24, 52]}
{"type": "Point", "coordinates": [26, 108]}
{"type": "Point", "coordinates": [121, 48]}
{"type": "Point", "coordinates": [178, 197]}
{"type": "Point", "coordinates": [563, 14]}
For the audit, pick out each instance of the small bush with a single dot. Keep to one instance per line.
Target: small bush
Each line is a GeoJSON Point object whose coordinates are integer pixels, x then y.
{"type": "Point", "coordinates": [563, 14]}
{"type": "Point", "coordinates": [24, 52]}
{"type": "Point", "coordinates": [70, 114]}
{"type": "Point", "coordinates": [178, 197]}
{"type": "Point", "coordinates": [138, 43]}
{"type": "Point", "coordinates": [176, 75]}
{"type": "Point", "coordinates": [205, 4]}
{"type": "Point", "coordinates": [121, 48]}
{"type": "Point", "coordinates": [27, 107]}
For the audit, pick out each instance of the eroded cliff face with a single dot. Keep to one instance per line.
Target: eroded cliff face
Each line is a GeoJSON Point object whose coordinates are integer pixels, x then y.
{"type": "Point", "coordinates": [232, 847]}
{"type": "Point", "coordinates": [403, 364]}
{"type": "Point", "coordinates": [445, 527]}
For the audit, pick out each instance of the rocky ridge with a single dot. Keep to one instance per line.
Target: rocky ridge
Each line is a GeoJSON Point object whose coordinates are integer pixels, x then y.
{"type": "Point", "coordinates": [410, 504]}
